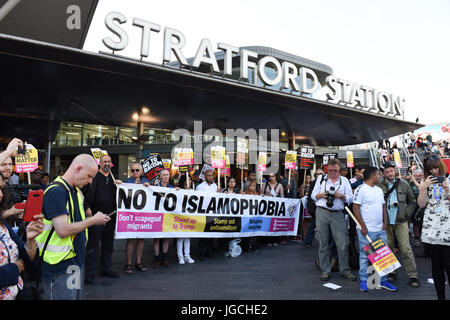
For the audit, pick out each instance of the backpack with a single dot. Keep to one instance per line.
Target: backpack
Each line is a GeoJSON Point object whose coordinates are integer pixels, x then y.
{"type": "Point", "coordinates": [310, 203]}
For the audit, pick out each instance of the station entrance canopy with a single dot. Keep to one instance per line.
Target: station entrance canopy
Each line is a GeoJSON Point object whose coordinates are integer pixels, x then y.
{"type": "Point", "coordinates": [46, 83]}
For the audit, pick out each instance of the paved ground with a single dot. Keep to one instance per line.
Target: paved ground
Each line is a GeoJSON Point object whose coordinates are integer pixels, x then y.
{"type": "Point", "coordinates": [286, 272]}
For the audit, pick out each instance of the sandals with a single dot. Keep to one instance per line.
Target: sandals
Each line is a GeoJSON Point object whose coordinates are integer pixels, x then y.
{"type": "Point", "coordinates": [128, 269]}
{"type": "Point", "coordinates": [140, 267]}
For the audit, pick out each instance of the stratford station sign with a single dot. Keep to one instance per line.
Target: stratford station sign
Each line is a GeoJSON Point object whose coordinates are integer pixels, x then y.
{"type": "Point", "coordinates": [291, 77]}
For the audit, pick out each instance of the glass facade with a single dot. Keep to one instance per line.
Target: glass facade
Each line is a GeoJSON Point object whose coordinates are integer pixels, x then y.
{"type": "Point", "coordinates": [72, 134]}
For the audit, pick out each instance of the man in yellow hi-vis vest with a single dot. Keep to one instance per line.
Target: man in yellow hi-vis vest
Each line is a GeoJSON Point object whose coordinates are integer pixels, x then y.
{"type": "Point", "coordinates": [62, 245]}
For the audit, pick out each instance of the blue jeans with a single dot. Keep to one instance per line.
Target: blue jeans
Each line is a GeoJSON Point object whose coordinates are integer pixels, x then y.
{"type": "Point", "coordinates": [64, 285]}
{"type": "Point", "coordinates": [363, 260]}
{"type": "Point", "coordinates": [311, 232]}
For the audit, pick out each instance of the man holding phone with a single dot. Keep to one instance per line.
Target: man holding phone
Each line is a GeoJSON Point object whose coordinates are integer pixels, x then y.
{"type": "Point", "coordinates": [62, 245]}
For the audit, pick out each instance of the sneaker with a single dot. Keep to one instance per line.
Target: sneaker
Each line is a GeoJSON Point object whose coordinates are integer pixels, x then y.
{"type": "Point", "coordinates": [284, 242]}
{"type": "Point", "coordinates": [363, 286]}
{"type": "Point", "coordinates": [269, 244]}
{"type": "Point", "coordinates": [325, 276]}
{"type": "Point", "coordinates": [275, 244]}
{"type": "Point", "coordinates": [180, 260]}
{"type": "Point", "coordinates": [188, 259]}
{"type": "Point", "coordinates": [392, 277]}
{"type": "Point", "coordinates": [306, 245]}
{"type": "Point", "coordinates": [413, 282]}
{"type": "Point", "coordinates": [349, 276]}
{"type": "Point", "coordinates": [388, 286]}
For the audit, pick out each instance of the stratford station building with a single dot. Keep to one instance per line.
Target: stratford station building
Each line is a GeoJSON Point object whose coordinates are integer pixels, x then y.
{"type": "Point", "coordinates": [65, 100]}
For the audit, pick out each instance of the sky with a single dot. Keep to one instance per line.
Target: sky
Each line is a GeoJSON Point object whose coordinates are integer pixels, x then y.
{"type": "Point", "coordinates": [401, 47]}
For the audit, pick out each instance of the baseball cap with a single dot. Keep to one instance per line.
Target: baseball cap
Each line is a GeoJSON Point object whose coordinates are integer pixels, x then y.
{"type": "Point", "coordinates": [387, 165]}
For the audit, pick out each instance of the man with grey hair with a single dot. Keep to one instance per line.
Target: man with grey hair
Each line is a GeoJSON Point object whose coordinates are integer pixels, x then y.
{"type": "Point", "coordinates": [101, 197]}
{"type": "Point", "coordinates": [331, 193]}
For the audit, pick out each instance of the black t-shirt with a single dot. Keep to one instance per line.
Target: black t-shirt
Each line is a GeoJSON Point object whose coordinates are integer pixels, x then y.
{"type": "Point", "coordinates": [54, 204]}
{"type": "Point", "coordinates": [104, 198]}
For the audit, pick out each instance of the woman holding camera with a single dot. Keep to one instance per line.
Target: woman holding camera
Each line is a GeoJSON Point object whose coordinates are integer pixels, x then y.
{"type": "Point", "coordinates": [14, 254]}
{"type": "Point", "coordinates": [434, 196]}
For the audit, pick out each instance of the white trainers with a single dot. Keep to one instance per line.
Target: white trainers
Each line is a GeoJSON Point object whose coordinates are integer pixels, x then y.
{"type": "Point", "coordinates": [180, 260]}
{"type": "Point", "coordinates": [188, 259]}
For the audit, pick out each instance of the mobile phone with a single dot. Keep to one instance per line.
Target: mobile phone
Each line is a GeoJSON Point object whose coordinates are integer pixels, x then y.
{"type": "Point", "coordinates": [440, 179]}
{"type": "Point", "coordinates": [109, 215]}
{"type": "Point", "coordinates": [33, 204]}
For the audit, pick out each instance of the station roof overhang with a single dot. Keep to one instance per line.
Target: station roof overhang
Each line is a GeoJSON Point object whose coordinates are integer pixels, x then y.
{"type": "Point", "coordinates": [43, 84]}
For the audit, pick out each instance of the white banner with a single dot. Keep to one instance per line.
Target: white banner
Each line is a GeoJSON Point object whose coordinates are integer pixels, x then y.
{"type": "Point", "coordinates": [157, 212]}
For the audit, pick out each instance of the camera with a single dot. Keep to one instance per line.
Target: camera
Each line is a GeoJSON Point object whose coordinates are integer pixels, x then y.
{"type": "Point", "coordinates": [330, 198]}
{"type": "Point", "coordinates": [19, 193]}
{"type": "Point", "coordinates": [393, 205]}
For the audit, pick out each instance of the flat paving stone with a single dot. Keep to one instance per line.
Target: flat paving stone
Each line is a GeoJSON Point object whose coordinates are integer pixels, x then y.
{"type": "Point", "coordinates": [285, 272]}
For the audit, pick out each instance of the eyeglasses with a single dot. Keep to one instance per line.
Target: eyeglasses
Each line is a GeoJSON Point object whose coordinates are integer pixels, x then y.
{"type": "Point", "coordinates": [135, 170]}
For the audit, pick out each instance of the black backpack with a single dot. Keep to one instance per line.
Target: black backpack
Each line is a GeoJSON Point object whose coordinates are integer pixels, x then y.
{"type": "Point", "coordinates": [310, 203]}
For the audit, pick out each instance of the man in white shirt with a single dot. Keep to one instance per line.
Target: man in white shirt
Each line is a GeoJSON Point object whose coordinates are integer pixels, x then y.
{"type": "Point", "coordinates": [206, 244]}
{"type": "Point", "coordinates": [329, 215]}
{"type": "Point", "coordinates": [369, 207]}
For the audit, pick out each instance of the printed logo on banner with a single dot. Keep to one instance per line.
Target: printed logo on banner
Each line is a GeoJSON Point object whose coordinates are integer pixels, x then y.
{"type": "Point", "coordinates": [151, 167]}
{"type": "Point", "coordinates": [291, 209]}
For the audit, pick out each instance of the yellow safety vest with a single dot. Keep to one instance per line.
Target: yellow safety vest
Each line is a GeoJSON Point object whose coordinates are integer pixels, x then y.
{"type": "Point", "coordinates": [58, 249]}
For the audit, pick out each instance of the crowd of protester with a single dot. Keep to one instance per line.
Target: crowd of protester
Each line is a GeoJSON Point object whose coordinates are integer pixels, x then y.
{"type": "Point", "coordinates": [384, 204]}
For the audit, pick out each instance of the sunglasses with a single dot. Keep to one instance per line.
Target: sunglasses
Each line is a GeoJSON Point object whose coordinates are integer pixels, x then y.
{"type": "Point", "coordinates": [432, 157]}
{"type": "Point", "coordinates": [134, 170]}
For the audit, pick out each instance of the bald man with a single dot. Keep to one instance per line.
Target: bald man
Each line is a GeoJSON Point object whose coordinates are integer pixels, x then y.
{"type": "Point", "coordinates": [65, 231]}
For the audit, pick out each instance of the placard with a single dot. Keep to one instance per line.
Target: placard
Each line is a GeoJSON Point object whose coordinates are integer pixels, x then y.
{"type": "Point", "coordinates": [242, 151]}
{"type": "Point", "coordinates": [381, 257]}
{"type": "Point", "coordinates": [290, 160]}
{"type": "Point", "coordinates": [397, 159]}
{"type": "Point", "coordinates": [306, 157]}
{"type": "Point", "coordinates": [350, 162]}
{"type": "Point", "coordinates": [262, 161]}
{"type": "Point", "coordinates": [151, 167]}
{"type": "Point", "coordinates": [218, 157]}
{"type": "Point", "coordinates": [27, 162]}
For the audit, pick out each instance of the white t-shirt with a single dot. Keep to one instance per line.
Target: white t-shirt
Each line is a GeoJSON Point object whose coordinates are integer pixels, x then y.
{"type": "Point", "coordinates": [371, 201]}
{"type": "Point", "coordinates": [205, 187]}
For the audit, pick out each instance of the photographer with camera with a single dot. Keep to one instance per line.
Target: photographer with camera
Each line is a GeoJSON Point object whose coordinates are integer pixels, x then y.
{"type": "Point", "coordinates": [330, 195]}
{"type": "Point", "coordinates": [137, 177]}
{"type": "Point", "coordinates": [400, 204]}
{"type": "Point", "coordinates": [434, 196]}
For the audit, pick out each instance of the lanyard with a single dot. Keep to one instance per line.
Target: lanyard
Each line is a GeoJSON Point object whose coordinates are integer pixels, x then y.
{"type": "Point", "coordinates": [438, 199]}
